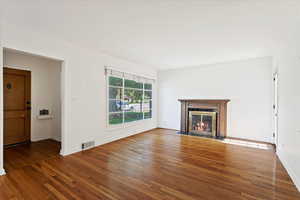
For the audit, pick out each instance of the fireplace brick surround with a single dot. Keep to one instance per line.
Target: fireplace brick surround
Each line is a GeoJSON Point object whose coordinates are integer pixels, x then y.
{"type": "Point", "coordinates": [219, 106]}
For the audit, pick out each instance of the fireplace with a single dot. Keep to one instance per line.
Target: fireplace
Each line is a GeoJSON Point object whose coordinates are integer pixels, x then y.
{"type": "Point", "coordinates": [203, 123]}
{"type": "Point", "coordinates": [204, 117]}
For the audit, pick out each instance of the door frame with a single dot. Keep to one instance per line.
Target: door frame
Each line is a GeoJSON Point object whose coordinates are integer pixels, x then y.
{"type": "Point", "coordinates": [275, 108]}
{"type": "Point", "coordinates": [64, 102]}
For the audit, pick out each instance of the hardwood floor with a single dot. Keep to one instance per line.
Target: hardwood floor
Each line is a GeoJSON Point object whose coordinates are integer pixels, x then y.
{"type": "Point", "coordinates": [158, 164]}
{"type": "Point", "coordinates": [23, 155]}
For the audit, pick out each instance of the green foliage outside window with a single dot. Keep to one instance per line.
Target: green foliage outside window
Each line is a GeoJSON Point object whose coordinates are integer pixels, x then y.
{"type": "Point", "coordinates": [115, 93]}
{"type": "Point", "coordinates": [115, 118]}
{"type": "Point", "coordinates": [148, 86]}
{"type": "Point", "coordinates": [129, 103]}
{"type": "Point", "coordinates": [115, 81]}
{"type": "Point", "coordinates": [133, 116]}
{"type": "Point", "coordinates": [148, 94]}
{"type": "Point", "coordinates": [148, 115]}
{"type": "Point", "coordinates": [133, 96]}
{"type": "Point", "coordinates": [133, 84]}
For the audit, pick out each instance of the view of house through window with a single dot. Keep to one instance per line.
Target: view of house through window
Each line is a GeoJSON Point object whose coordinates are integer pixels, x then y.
{"type": "Point", "coordinates": [129, 100]}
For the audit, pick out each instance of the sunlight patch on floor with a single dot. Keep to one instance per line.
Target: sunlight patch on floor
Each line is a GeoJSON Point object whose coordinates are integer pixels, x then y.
{"type": "Point", "coordinates": [247, 144]}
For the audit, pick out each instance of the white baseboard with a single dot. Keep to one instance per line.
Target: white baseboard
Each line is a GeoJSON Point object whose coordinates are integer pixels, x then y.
{"type": "Point", "coordinates": [118, 134]}
{"type": "Point", "coordinates": [2, 172]}
{"type": "Point", "coordinates": [58, 139]}
{"type": "Point", "coordinates": [36, 139]}
{"type": "Point", "coordinates": [69, 152]}
{"type": "Point", "coordinates": [289, 169]}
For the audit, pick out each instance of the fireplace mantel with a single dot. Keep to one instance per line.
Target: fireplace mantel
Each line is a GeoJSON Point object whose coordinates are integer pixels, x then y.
{"type": "Point", "coordinates": [206, 100]}
{"type": "Point", "coordinates": [218, 105]}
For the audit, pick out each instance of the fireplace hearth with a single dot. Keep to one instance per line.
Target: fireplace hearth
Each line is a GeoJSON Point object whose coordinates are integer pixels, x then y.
{"type": "Point", "coordinates": [204, 117]}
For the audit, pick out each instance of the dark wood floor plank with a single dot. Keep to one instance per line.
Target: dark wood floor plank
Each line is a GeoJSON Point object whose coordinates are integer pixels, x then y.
{"type": "Point", "coordinates": [158, 164]}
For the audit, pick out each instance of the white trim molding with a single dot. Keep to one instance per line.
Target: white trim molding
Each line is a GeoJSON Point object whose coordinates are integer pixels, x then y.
{"type": "Point", "coordinates": [289, 169]}
{"type": "Point", "coordinates": [2, 172]}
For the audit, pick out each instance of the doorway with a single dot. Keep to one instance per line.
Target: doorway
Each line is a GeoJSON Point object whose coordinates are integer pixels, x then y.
{"type": "Point", "coordinates": [32, 108]}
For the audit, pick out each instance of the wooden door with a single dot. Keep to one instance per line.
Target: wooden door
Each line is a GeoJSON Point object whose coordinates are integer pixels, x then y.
{"type": "Point", "coordinates": [17, 105]}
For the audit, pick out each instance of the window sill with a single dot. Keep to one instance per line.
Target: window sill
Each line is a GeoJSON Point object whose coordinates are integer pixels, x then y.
{"type": "Point", "coordinates": [126, 125]}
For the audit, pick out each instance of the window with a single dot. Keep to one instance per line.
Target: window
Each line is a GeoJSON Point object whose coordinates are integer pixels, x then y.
{"type": "Point", "coordinates": [130, 98]}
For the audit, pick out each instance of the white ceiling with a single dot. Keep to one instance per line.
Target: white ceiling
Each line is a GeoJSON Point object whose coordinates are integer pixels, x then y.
{"type": "Point", "coordinates": [165, 33]}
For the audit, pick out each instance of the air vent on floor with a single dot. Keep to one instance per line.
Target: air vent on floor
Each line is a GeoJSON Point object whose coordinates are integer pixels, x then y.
{"type": "Point", "coordinates": [87, 145]}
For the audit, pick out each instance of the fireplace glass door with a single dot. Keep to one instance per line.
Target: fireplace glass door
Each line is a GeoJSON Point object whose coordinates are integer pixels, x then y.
{"type": "Point", "coordinates": [203, 123]}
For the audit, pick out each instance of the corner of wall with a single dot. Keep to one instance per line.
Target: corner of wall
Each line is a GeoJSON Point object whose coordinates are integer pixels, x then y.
{"type": "Point", "coordinates": [2, 171]}
{"type": "Point", "coordinates": [289, 169]}
{"type": "Point", "coordinates": [70, 150]}
{"type": "Point", "coordinates": [64, 153]}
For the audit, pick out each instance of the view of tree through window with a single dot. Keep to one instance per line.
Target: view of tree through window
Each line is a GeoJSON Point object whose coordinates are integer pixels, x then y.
{"type": "Point", "coordinates": [129, 100]}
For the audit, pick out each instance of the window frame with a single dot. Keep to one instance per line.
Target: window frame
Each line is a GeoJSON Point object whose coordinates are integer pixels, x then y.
{"type": "Point", "coordinates": [125, 124]}
{"type": "Point", "coordinates": [150, 100]}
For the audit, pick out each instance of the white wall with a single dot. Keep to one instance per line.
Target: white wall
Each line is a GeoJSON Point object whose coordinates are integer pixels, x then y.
{"type": "Point", "coordinates": [84, 93]}
{"type": "Point", "coordinates": [288, 67]}
{"type": "Point", "coordinates": [248, 84]}
{"type": "Point", "coordinates": [45, 91]}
